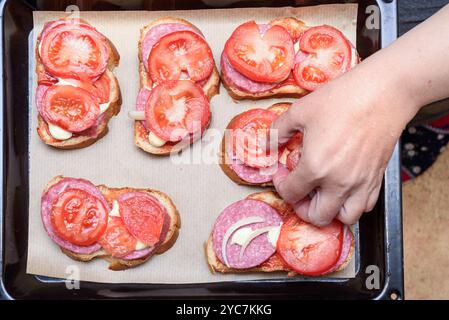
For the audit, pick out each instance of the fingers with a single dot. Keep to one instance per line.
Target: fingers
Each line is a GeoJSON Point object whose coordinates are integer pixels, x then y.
{"type": "Point", "coordinates": [353, 207]}
{"type": "Point", "coordinates": [293, 186]}
{"type": "Point", "coordinates": [372, 198]}
{"type": "Point", "coordinates": [358, 203]}
{"type": "Point", "coordinates": [288, 124]}
{"type": "Point", "coordinates": [324, 206]}
{"type": "Point", "coordinates": [302, 209]}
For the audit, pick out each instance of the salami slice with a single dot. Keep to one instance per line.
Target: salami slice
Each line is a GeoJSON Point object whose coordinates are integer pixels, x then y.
{"type": "Point", "coordinates": [238, 80]}
{"type": "Point", "coordinates": [143, 215]}
{"type": "Point", "coordinates": [260, 248]}
{"type": "Point", "coordinates": [46, 205]}
{"type": "Point", "coordinates": [40, 93]}
{"type": "Point", "coordinates": [138, 254]}
{"type": "Point", "coordinates": [345, 250]}
{"type": "Point", "coordinates": [142, 99]}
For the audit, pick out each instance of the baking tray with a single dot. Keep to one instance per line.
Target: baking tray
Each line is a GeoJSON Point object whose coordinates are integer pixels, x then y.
{"type": "Point", "coordinates": [380, 241]}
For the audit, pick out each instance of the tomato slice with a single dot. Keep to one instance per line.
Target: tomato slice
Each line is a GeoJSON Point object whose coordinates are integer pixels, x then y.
{"type": "Point", "coordinates": [71, 108]}
{"type": "Point", "coordinates": [295, 142]}
{"type": "Point", "coordinates": [293, 159]}
{"type": "Point", "coordinates": [176, 109]}
{"type": "Point", "coordinates": [74, 50]}
{"type": "Point", "coordinates": [143, 215]}
{"type": "Point", "coordinates": [117, 241]}
{"type": "Point", "coordinates": [325, 54]}
{"type": "Point", "coordinates": [307, 249]}
{"type": "Point", "coordinates": [177, 52]}
{"type": "Point", "coordinates": [248, 130]}
{"type": "Point", "coordinates": [267, 57]}
{"type": "Point", "coordinates": [103, 88]}
{"type": "Point", "coordinates": [79, 217]}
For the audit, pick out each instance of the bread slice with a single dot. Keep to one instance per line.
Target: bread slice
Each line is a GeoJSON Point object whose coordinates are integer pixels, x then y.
{"type": "Point", "coordinates": [81, 141]}
{"type": "Point", "coordinates": [285, 89]}
{"type": "Point", "coordinates": [210, 88]}
{"type": "Point", "coordinates": [275, 262]}
{"type": "Point", "coordinates": [225, 161]}
{"type": "Point", "coordinates": [113, 193]}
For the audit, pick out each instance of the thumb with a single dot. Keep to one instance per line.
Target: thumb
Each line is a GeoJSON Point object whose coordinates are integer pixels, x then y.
{"type": "Point", "coordinates": [288, 124]}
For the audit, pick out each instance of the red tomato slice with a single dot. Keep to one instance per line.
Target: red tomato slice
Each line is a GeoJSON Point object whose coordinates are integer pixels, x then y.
{"type": "Point", "coordinates": [103, 88]}
{"type": "Point", "coordinates": [293, 159]}
{"type": "Point", "coordinates": [264, 57]}
{"type": "Point", "coordinates": [325, 54]}
{"type": "Point", "coordinates": [295, 142]}
{"type": "Point", "coordinates": [74, 50]}
{"type": "Point", "coordinates": [176, 109]}
{"type": "Point", "coordinates": [71, 108]}
{"type": "Point", "coordinates": [143, 216]}
{"type": "Point", "coordinates": [248, 130]}
{"type": "Point", "coordinates": [79, 217]}
{"type": "Point", "coordinates": [177, 52]}
{"type": "Point", "coordinates": [117, 241]}
{"type": "Point", "coordinates": [307, 249]}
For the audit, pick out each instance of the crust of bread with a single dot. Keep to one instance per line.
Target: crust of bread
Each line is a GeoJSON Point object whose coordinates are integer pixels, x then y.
{"type": "Point", "coordinates": [275, 262]}
{"type": "Point", "coordinates": [82, 141]}
{"type": "Point", "coordinates": [113, 193]}
{"type": "Point", "coordinates": [211, 88]}
{"type": "Point", "coordinates": [225, 161]}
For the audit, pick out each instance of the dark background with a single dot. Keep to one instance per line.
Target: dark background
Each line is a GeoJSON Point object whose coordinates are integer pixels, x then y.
{"type": "Point", "coordinates": [412, 12]}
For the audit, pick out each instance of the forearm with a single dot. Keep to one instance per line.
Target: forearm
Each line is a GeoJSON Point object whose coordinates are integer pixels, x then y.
{"type": "Point", "coordinates": [410, 73]}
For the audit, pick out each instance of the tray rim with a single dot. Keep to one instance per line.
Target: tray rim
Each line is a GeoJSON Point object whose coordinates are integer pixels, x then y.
{"type": "Point", "coordinates": [393, 252]}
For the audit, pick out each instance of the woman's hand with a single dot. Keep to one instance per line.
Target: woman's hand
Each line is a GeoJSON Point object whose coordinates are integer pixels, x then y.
{"type": "Point", "coordinates": [351, 124]}
{"type": "Point", "coordinates": [348, 139]}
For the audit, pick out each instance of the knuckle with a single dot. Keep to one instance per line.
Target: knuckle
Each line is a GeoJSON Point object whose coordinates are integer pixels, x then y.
{"type": "Point", "coordinates": [284, 191]}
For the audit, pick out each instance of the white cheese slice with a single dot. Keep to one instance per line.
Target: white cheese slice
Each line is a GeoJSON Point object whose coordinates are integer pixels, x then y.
{"type": "Point", "coordinates": [296, 47]}
{"type": "Point", "coordinates": [115, 211]}
{"type": "Point", "coordinates": [140, 245]}
{"type": "Point", "coordinates": [273, 235]}
{"type": "Point", "coordinates": [283, 157]}
{"type": "Point", "coordinates": [58, 133]}
{"type": "Point", "coordinates": [136, 115]}
{"type": "Point", "coordinates": [155, 140]}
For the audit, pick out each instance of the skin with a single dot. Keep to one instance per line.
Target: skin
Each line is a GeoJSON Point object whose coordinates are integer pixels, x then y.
{"type": "Point", "coordinates": [352, 124]}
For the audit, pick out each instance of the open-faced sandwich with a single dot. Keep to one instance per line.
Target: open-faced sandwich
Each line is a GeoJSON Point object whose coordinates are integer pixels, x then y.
{"type": "Point", "coordinates": [263, 234]}
{"type": "Point", "coordinates": [77, 93]}
{"type": "Point", "coordinates": [178, 77]}
{"type": "Point", "coordinates": [124, 226]}
{"type": "Point", "coordinates": [284, 58]}
{"type": "Point", "coordinates": [243, 157]}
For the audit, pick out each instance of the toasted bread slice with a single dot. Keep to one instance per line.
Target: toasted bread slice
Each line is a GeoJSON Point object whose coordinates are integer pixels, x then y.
{"type": "Point", "coordinates": [78, 141]}
{"type": "Point", "coordinates": [225, 161]}
{"type": "Point", "coordinates": [113, 193]}
{"type": "Point", "coordinates": [210, 88]}
{"type": "Point", "coordinates": [275, 262]}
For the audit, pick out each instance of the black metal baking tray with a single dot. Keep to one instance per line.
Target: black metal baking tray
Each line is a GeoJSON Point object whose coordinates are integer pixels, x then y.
{"type": "Point", "coordinates": [380, 241]}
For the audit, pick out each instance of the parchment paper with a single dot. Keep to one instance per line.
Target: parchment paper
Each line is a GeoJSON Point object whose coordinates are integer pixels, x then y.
{"type": "Point", "coordinates": [200, 190]}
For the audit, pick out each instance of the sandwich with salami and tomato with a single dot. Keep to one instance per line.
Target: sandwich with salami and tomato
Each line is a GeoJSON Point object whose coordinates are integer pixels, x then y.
{"type": "Point", "coordinates": [244, 159]}
{"type": "Point", "coordinates": [178, 78]}
{"type": "Point", "coordinates": [124, 226]}
{"type": "Point", "coordinates": [263, 234]}
{"type": "Point", "coordinates": [77, 93]}
{"type": "Point", "coordinates": [283, 58]}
